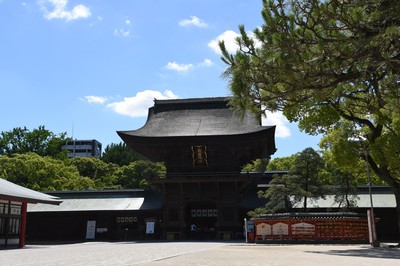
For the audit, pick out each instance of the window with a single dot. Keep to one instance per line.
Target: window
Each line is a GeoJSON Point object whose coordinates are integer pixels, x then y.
{"type": "Point", "coordinates": [13, 226]}
{"type": "Point", "coordinates": [2, 226]}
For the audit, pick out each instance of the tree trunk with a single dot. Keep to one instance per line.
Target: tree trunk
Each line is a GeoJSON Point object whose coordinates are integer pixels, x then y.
{"type": "Point", "coordinates": [347, 193]}
{"type": "Point", "coordinates": [305, 204]}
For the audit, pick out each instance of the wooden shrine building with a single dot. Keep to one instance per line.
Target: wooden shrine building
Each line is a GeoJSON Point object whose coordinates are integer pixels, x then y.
{"type": "Point", "coordinates": [204, 144]}
{"type": "Point", "coordinates": [14, 200]}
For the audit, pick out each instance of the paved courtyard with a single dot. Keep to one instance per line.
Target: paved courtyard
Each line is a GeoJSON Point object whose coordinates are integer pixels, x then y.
{"type": "Point", "coordinates": [198, 253]}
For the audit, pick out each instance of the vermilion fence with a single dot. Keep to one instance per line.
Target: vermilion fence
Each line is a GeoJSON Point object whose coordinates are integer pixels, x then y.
{"type": "Point", "coordinates": [311, 226]}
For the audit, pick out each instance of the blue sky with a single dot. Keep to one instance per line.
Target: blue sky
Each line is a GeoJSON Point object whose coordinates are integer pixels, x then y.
{"type": "Point", "coordinates": [92, 67]}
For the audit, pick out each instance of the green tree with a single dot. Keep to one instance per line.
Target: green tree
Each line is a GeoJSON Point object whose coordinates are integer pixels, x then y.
{"type": "Point", "coordinates": [325, 62]}
{"type": "Point", "coordinates": [306, 182]}
{"type": "Point", "coordinates": [301, 184]}
{"type": "Point", "coordinates": [258, 165]}
{"type": "Point", "coordinates": [343, 184]}
{"type": "Point", "coordinates": [137, 173]}
{"type": "Point", "coordinates": [347, 156]}
{"type": "Point", "coordinates": [345, 189]}
{"type": "Point", "coordinates": [13, 141]}
{"type": "Point", "coordinates": [102, 174]}
{"type": "Point", "coordinates": [282, 163]}
{"type": "Point", "coordinates": [41, 173]}
{"type": "Point", "coordinates": [120, 154]}
{"type": "Point", "coordinates": [278, 195]}
{"type": "Point", "coordinates": [40, 141]}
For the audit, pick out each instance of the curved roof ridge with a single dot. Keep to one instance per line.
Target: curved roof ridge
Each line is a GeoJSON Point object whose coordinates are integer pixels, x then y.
{"type": "Point", "coordinates": [191, 100]}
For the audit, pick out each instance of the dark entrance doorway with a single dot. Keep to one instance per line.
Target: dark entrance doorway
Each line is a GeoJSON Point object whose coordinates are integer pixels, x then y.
{"type": "Point", "coordinates": [202, 220]}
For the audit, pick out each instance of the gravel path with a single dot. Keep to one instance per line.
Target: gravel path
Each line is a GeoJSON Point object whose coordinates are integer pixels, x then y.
{"type": "Point", "coordinates": [198, 253]}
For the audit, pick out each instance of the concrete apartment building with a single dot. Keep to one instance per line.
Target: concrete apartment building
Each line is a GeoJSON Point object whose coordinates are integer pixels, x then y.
{"type": "Point", "coordinates": [83, 148]}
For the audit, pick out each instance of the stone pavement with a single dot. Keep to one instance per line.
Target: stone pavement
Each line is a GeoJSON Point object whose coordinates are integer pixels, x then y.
{"type": "Point", "coordinates": [198, 253]}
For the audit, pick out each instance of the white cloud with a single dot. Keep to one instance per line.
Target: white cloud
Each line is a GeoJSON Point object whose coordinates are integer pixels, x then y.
{"type": "Point", "coordinates": [60, 10]}
{"type": "Point", "coordinates": [206, 63]}
{"type": "Point", "coordinates": [95, 99]}
{"type": "Point", "coordinates": [138, 105]}
{"type": "Point", "coordinates": [183, 68]}
{"type": "Point", "coordinates": [179, 67]}
{"type": "Point", "coordinates": [122, 32]}
{"type": "Point", "coordinates": [229, 37]}
{"type": "Point", "coordinates": [193, 21]}
{"type": "Point", "coordinates": [280, 121]}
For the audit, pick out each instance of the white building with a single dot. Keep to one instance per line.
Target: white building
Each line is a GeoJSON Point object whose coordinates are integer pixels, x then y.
{"type": "Point", "coordinates": [83, 148]}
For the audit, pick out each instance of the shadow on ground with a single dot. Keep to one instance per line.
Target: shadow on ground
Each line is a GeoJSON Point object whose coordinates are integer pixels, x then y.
{"type": "Point", "coordinates": [368, 252]}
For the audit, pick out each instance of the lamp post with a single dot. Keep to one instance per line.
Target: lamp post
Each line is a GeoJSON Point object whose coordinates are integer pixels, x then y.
{"type": "Point", "coordinates": [371, 218]}
{"type": "Point", "coordinates": [245, 230]}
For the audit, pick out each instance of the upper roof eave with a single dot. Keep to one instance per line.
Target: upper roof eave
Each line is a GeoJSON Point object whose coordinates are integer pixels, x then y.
{"type": "Point", "coordinates": [138, 134]}
{"type": "Point", "coordinates": [11, 191]}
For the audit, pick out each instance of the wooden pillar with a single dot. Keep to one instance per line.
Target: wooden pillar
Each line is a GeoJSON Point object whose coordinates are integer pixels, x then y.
{"type": "Point", "coordinates": [22, 230]}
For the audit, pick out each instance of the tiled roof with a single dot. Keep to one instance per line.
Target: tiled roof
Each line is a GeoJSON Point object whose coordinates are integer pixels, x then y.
{"type": "Point", "coordinates": [195, 117]}
{"type": "Point", "coordinates": [101, 200]}
{"type": "Point", "coordinates": [90, 204]}
{"type": "Point", "coordinates": [11, 191]}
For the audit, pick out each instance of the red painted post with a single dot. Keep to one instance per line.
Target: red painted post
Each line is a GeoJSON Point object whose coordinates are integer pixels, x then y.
{"type": "Point", "coordinates": [23, 224]}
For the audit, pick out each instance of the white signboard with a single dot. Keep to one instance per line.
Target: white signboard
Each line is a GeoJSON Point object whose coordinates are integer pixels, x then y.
{"type": "Point", "coordinates": [263, 229]}
{"type": "Point", "coordinates": [90, 229]}
{"type": "Point", "coordinates": [280, 229]}
{"type": "Point", "coordinates": [150, 228]}
{"type": "Point", "coordinates": [303, 229]}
